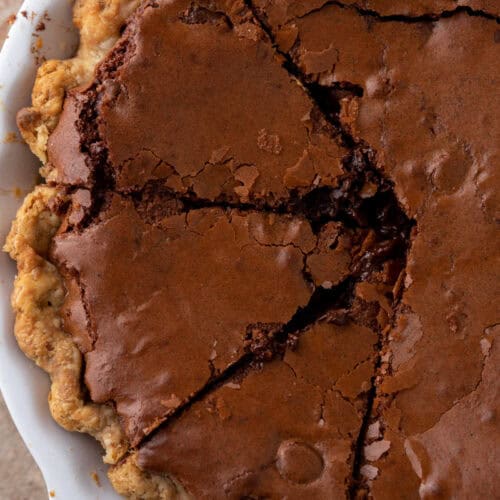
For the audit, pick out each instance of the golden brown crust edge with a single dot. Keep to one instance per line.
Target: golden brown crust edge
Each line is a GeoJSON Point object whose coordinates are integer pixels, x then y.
{"type": "Point", "coordinates": [37, 298]}
{"type": "Point", "coordinates": [36, 301]}
{"type": "Point", "coordinates": [38, 288]}
{"type": "Point", "coordinates": [132, 482]}
{"type": "Point", "coordinates": [99, 26]}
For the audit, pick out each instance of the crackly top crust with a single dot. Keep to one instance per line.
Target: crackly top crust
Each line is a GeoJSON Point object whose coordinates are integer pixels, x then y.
{"type": "Point", "coordinates": [233, 238]}
{"type": "Point", "coordinates": [204, 271]}
{"type": "Point", "coordinates": [427, 183]}
{"type": "Point", "coordinates": [274, 432]}
{"type": "Point", "coordinates": [209, 68]}
{"type": "Point", "coordinates": [282, 11]}
{"type": "Point", "coordinates": [444, 162]}
{"type": "Point", "coordinates": [290, 149]}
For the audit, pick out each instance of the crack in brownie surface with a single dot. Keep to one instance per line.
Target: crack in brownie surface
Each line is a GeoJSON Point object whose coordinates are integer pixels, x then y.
{"type": "Point", "coordinates": [190, 288]}
{"type": "Point", "coordinates": [282, 430]}
{"type": "Point", "coordinates": [223, 245]}
{"type": "Point", "coordinates": [412, 70]}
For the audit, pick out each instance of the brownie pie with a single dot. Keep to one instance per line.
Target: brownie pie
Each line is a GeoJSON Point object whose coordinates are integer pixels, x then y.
{"type": "Point", "coordinates": [263, 263]}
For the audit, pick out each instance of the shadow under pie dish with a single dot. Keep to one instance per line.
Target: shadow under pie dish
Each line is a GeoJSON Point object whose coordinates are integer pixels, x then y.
{"type": "Point", "coordinates": [244, 271]}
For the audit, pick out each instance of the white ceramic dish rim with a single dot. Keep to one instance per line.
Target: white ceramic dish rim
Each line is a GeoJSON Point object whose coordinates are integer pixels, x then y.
{"type": "Point", "coordinates": [67, 460]}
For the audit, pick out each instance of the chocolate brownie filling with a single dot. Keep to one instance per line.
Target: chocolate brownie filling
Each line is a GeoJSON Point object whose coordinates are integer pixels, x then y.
{"type": "Point", "coordinates": [420, 90]}
{"type": "Point", "coordinates": [282, 429]}
{"type": "Point", "coordinates": [186, 284]}
{"type": "Point", "coordinates": [279, 224]}
{"type": "Point", "coordinates": [231, 255]}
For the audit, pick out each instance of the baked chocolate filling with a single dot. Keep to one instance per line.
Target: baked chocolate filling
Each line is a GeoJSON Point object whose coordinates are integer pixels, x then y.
{"type": "Point", "coordinates": [237, 265]}
{"type": "Point", "coordinates": [196, 267]}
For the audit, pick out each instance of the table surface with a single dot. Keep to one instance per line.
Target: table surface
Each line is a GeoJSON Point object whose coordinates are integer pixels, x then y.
{"type": "Point", "coordinates": [20, 478]}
